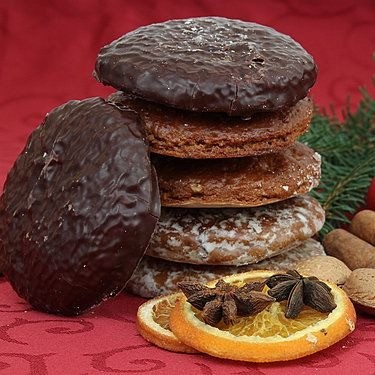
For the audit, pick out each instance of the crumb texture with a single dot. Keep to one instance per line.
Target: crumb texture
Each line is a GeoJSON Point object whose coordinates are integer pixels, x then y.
{"type": "Point", "coordinates": [238, 182]}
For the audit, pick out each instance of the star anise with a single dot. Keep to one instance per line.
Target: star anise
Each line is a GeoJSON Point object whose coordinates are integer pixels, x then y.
{"type": "Point", "coordinates": [226, 301]}
{"type": "Point", "coordinates": [300, 291]}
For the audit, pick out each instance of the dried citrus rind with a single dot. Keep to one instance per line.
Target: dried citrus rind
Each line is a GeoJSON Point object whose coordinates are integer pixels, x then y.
{"type": "Point", "coordinates": [268, 336]}
{"type": "Point", "coordinates": [153, 323]}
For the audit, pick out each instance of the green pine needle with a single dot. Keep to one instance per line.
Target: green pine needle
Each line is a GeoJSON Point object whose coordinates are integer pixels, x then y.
{"type": "Point", "coordinates": [348, 160]}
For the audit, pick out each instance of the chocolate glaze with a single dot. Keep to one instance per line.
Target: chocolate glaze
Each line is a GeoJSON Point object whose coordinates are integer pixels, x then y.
{"type": "Point", "coordinates": [79, 207]}
{"type": "Point", "coordinates": [209, 64]}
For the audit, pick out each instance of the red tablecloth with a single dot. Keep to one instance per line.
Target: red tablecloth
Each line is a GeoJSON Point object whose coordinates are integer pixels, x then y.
{"type": "Point", "coordinates": [48, 49]}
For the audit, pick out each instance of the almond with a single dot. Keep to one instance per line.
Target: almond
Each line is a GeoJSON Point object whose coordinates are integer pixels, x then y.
{"type": "Point", "coordinates": [325, 268]}
{"type": "Point", "coordinates": [360, 287]}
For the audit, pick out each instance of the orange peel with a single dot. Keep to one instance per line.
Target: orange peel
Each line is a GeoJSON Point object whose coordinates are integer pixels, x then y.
{"type": "Point", "coordinates": [267, 336]}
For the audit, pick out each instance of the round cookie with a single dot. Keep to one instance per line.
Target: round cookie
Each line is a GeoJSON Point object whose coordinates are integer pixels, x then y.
{"type": "Point", "coordinates": [237, 182]}
{"type": "Point", "coordinates": [209, 64]}
{"type": "Point", "coordinates": [184, 134]}
{"type": "Point", "coordinates": [234, 236]}
{"type": "Point", "coordinates": [79, 207]}
{"type": "Point", "coordinates": [154, 276]}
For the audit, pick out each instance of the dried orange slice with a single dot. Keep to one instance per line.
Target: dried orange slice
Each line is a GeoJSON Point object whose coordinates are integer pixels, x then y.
{"type": "Point", "coordinates": [267, 336]}
{"type": "Point", "coordinates": [153, 323]}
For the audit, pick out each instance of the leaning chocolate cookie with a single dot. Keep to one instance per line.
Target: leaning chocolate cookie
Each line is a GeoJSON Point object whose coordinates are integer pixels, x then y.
{"type": "Point", "coordinates": [209, 64]}
{"type": "Point", "coordinates": [79, 207]}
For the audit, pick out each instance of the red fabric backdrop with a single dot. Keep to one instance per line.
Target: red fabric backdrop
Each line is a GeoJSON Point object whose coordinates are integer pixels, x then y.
{"type": "Point", "coordinates": [48, 49]}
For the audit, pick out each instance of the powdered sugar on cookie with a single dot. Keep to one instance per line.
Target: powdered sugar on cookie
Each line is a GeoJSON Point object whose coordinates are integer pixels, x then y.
{"type": "Point", "coordinates": [157, 276]}
{"type": "Point", "coordinates": [235, 236]}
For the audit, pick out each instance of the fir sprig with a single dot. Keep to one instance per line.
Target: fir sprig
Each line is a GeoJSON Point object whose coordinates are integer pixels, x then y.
{"type": "Point", "coordinates": [348, 160]}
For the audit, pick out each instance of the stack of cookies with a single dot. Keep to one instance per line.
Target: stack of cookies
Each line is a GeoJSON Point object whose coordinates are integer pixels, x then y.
{"type": "Point", "coordinates": [223, 103]}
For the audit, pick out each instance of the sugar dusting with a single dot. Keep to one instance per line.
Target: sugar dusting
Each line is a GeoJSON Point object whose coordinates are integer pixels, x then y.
{"type": "Point", "coordinates": [235, 236]}
{"type": "Point", "coordinates": [156, 276]}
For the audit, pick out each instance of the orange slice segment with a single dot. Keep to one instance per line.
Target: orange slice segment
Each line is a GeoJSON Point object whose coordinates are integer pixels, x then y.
{"type": "Point", "coordinates": [153, 323]}
{"type": "Point", "coordinates": [267, 336]}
